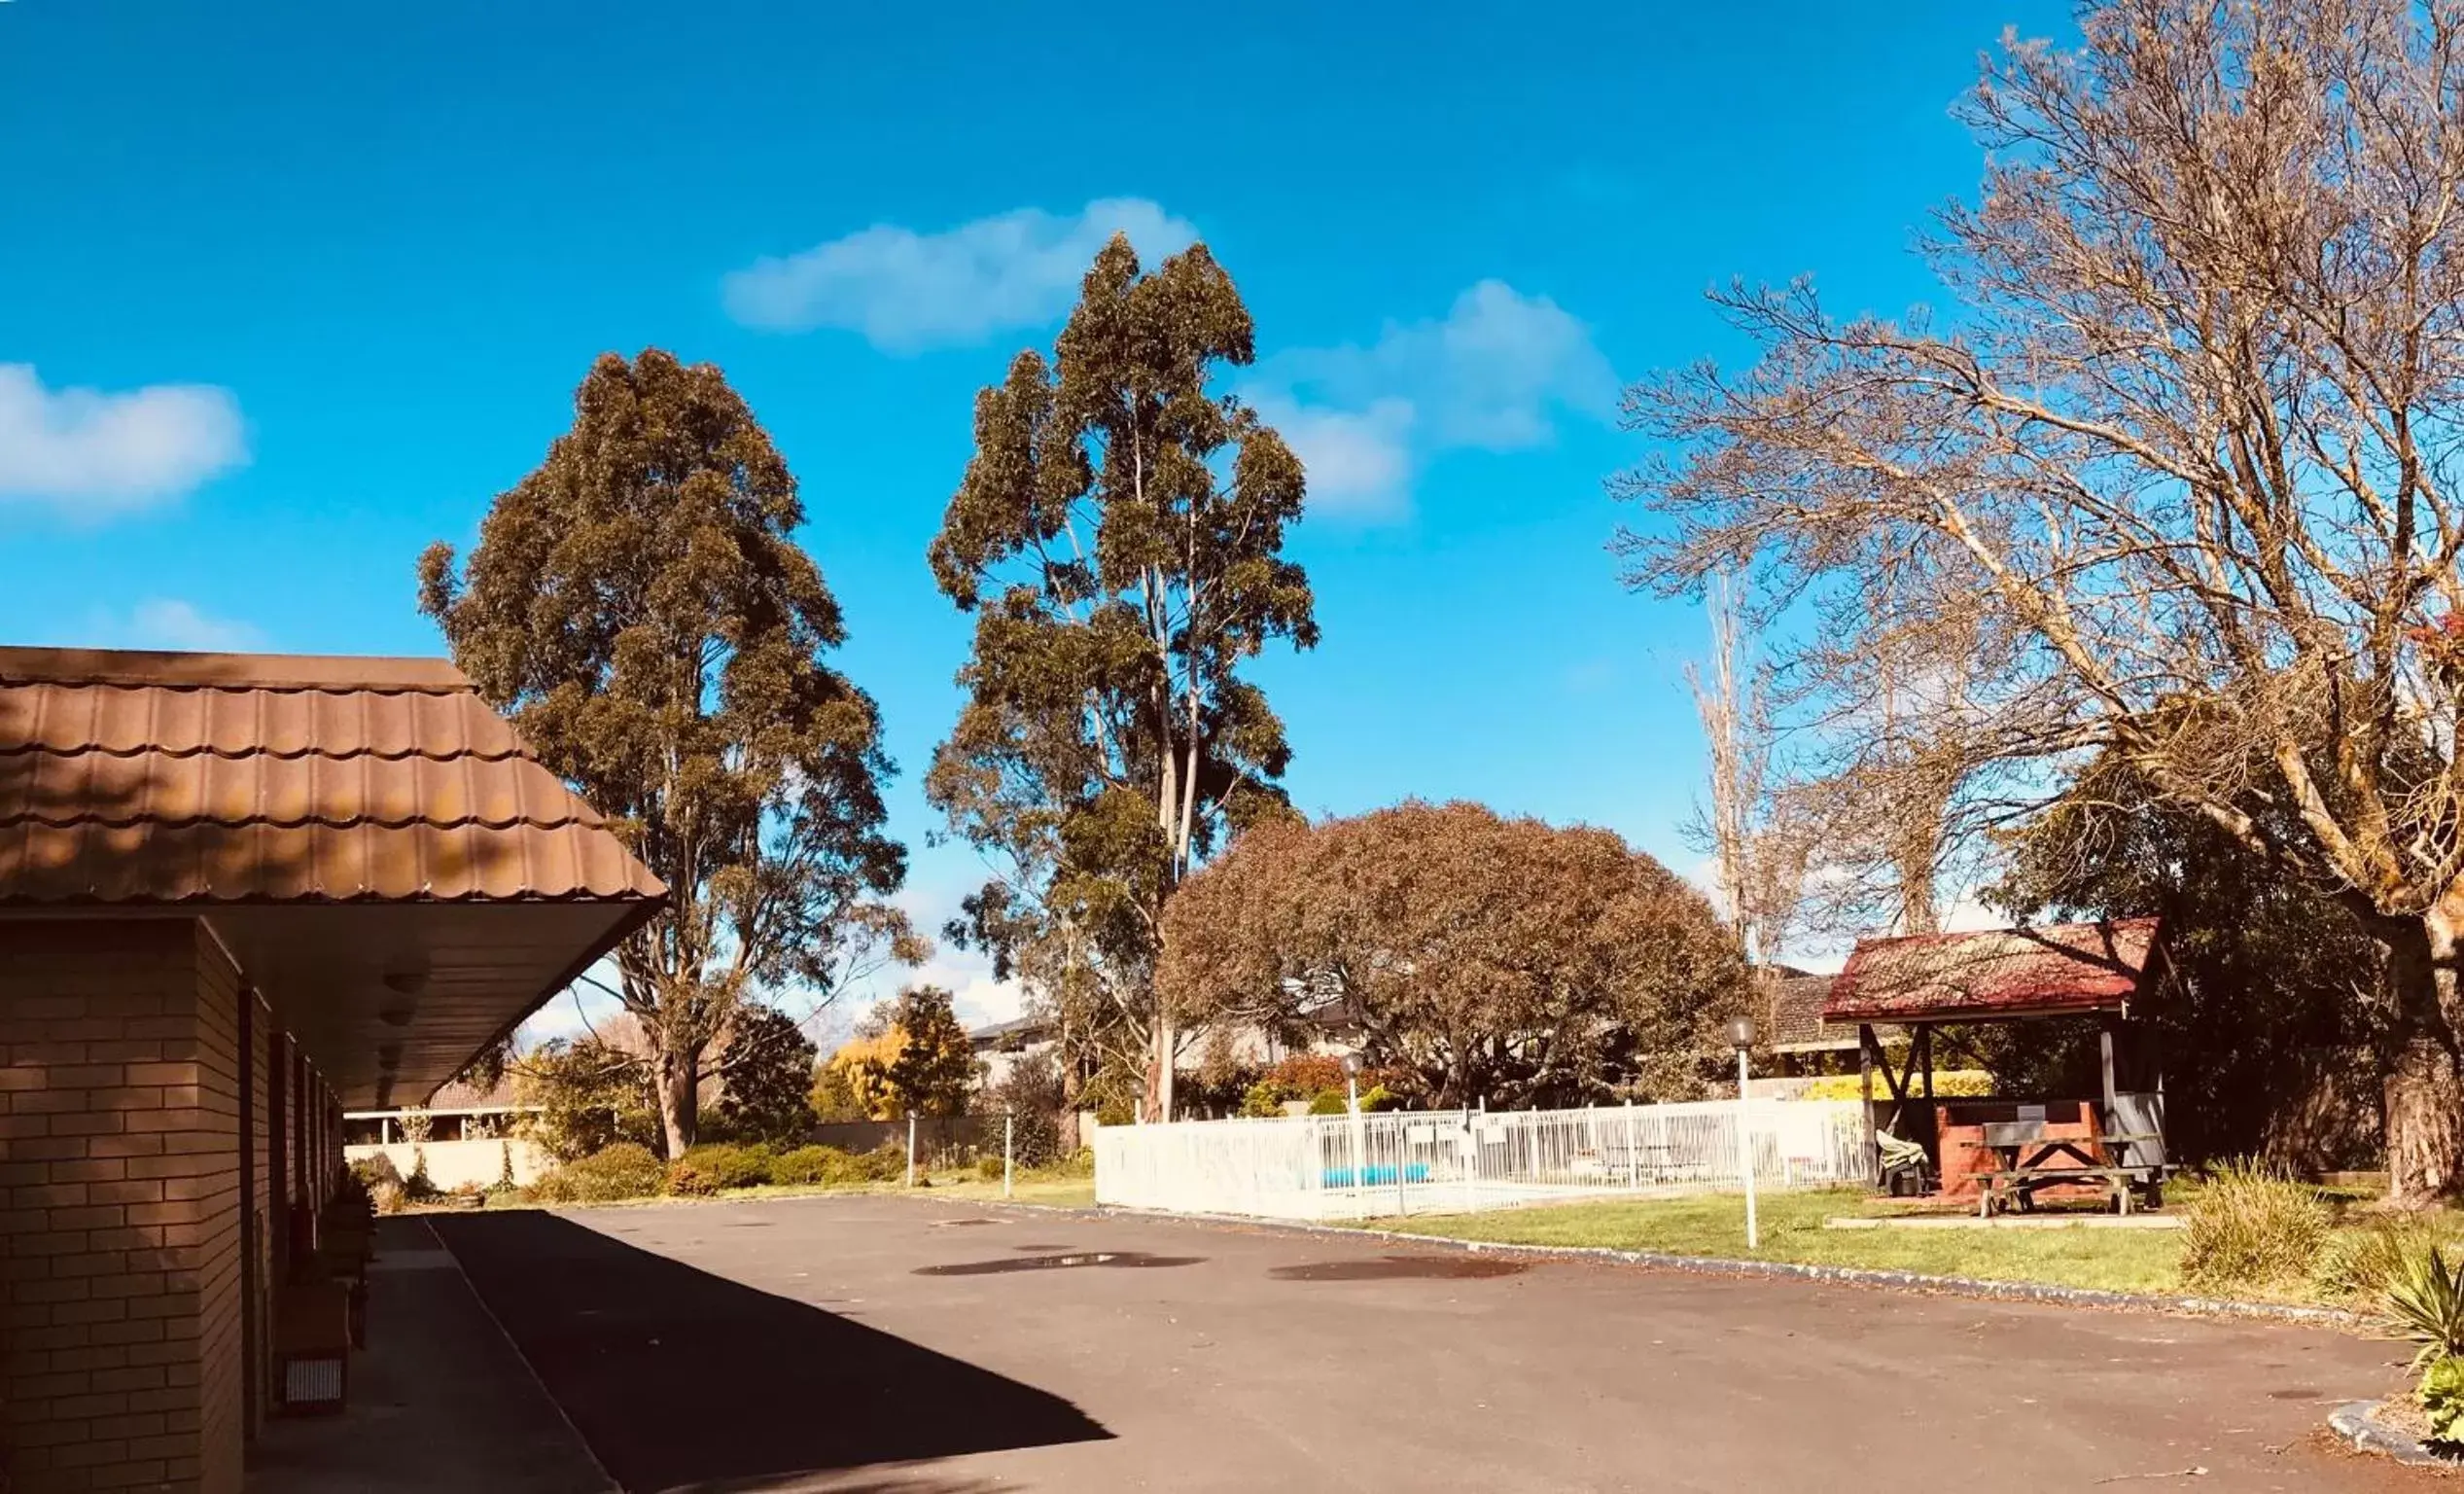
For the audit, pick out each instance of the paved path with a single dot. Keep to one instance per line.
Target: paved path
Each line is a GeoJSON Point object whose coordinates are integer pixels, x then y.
{"type": "Point", "coordinates": [919, 1347]}
{"type": "Point", "coordinates": [439, 1401]}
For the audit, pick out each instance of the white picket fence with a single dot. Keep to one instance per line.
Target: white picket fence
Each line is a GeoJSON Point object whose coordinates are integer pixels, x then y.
{"type": "Point", "coordinates": [1461, 1162]}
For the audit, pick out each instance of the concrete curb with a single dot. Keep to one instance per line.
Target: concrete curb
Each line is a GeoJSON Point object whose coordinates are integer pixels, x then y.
{"type": "Point", "coordinates": [2357, 1422]}
{"type": "Point", "coordinates": [1843, 1275]}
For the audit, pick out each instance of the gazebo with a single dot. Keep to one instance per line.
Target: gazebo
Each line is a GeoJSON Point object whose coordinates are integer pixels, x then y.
{"type": "Point", "coordinates": [2107, 971]}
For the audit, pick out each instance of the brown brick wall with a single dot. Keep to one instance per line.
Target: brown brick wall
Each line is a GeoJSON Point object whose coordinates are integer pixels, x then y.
{"type": "Point", "coordinates": [118, 1226]}
{"type": "Point", "coordinates": [261, 1143]}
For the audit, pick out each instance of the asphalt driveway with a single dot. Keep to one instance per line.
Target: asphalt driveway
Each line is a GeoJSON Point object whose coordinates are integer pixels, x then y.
{"type": "Point", "coordinates": [919, 1347]}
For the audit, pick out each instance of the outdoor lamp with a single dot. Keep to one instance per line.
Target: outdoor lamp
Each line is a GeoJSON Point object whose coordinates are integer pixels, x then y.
{"type": "Point", "coordinates": [1740, 1036]}
{"type": "Point", "coordinates": [1352, 1063]}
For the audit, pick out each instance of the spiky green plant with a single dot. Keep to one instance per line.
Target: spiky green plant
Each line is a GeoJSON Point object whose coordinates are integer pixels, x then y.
{"type": "Point", "coordinates": [2425, 1303]}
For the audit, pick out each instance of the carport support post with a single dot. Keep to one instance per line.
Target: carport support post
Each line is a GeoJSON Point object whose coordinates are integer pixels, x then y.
{"type": "Point", "coordinates": [911, 1149]}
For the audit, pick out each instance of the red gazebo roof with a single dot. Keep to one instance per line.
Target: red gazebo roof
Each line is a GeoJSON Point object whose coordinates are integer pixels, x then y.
{"type": "Point", "coordinates": [2050, 969]}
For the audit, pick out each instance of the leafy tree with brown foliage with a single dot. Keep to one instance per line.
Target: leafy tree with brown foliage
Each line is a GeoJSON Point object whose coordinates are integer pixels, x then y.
{"type": "Point", "coordinates": [1030, 1097]}
{"type": "Point", "coordinates": [590, 1096]}
{"type": "Point", "coordinates": [855, 1084]}
{"type": "Point", "coordinates": [1118, 536]}
{"type": "Point", "coordinates": [912, 1055]}
{"type": "Point", "coordinates": [1493, 958]}
{"type": "Point", "coordinates": [935, 1071]}
{"type": "Point", "coordinates": [2172, 481]}
{"type": "Point", "coordinates": [641, 607]}
{"type": "Point", "coordinates": [765, 1074]}
{"type": "Point", "coordinates": [2266, 1024]}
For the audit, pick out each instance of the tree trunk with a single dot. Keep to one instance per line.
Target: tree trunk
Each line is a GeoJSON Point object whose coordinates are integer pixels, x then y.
{"type": "Point", "coordinates": [679, 1100]}
{"type": "Point", "coordinates": [1159, 1067]}
{"type": "Point", "coordinates": [2424, 1089]}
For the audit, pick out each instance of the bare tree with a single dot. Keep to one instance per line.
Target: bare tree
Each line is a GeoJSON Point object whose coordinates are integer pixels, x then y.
{"type": "Point", "coordinates": [1759, 851]}
{"type": "Point", "coordinates": [2175, 481]}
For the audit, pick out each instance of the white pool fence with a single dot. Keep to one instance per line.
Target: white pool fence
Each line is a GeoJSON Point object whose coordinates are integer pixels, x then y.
{"type": "Point", "coordinates": [1462, 1161]}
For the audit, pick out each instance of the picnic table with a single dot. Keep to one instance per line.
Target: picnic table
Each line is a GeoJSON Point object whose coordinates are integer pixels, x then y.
{"type": "Point", "coordinates": [2031, 1159]}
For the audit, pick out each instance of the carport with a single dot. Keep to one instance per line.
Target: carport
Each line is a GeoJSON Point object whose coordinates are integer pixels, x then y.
{"type": "Point", "coordinates": [238, 893]}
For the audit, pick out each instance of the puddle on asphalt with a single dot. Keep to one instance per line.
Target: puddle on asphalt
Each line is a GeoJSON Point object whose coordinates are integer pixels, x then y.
{"type": "Point", "coordinates": [748, 1224]}
{"type": "Point", "coordinates": [960, 1223]}
{"type": "Point", "coordinates": [1403, 1268]}
{"type": "Point", "coordinates": [1029, 1250]}
{"type": "Point", "coordinates": [2297, 1393]}
{"type": "Point", "coordinates": [1131, 1259]}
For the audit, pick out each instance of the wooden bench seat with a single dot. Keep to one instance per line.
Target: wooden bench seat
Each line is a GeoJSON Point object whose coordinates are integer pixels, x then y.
{"type": "Point", "coordinates": [2118, 1181]}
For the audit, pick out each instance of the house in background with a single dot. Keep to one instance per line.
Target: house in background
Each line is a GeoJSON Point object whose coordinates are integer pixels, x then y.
{"type": "Point", "coordinates": [463, 1135]}
{"type": "Point", "coordinates": [1003, 1046]}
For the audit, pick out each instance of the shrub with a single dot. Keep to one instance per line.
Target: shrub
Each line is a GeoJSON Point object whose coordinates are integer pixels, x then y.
{"type": "Point", "coordinates": [1378, 1097]}
{"type": "Point", "coordinates": [990, 1167]}
{"type": "Point", "coordinates": [2359, 1266]}
{"type": "Point", "coordinates": [626, 1169]}
{"type": "Point", "coordinates": [387, 1198]}
{"type": "Point", "coordinates": [2253, 1227]}
{"type": "Point", "coordinates": [2442, 1398]}
{"type": "Point", "coordinates": [1077, 1164]}
{"type": "Point", "coordinates": [2424, 1302]}
{"type": "Point", "coordinates": [420, 1188]}
{"type": "Point", "coordinates": [1264, 1100]}
{"type": "Point", "coordinates": [1970, 1084]}
{"type": "Point", "coordinates": [1030, 1095]}
{"type": "Point", "coordinates": [370, 1171]}
{"type": "Point", "coordinates": [1303, 1075]}
{"type": "Point", "coordinates": [705, 1171]}
{"type": "Point", "coordinates": [884, 1163]}
{"type": "Point", "coordinates": [806, 1166]}
{"type": "Point", "coordinates": [505, 1164]}
{"type": "Point", "coordinates": [688, 1177]}
{"type": "Point", "coordinates": [1329, 1102]}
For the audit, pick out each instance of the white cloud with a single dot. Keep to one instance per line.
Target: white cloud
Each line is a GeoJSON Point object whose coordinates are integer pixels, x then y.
{"type": "Point", "coordinates": [168, 623]}
{"type": "Point", "coordinates": [157, 622]}
{"type": "Point", "coordinates": [88, 454]}
{"type": "Point", "coordinates": [1356, 459]}
{"type": "Point", "coordinates": [1493, 374]}
{"type": "Point", "coordinates": [907, 291]}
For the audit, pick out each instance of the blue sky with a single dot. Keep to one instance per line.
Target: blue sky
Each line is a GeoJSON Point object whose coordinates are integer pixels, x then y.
{"type": "Point", "coordinates": [294, 290]}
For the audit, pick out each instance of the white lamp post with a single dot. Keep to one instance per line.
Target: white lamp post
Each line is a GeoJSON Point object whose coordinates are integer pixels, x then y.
{"type": "Point", "coordinates": [1740, 1036]}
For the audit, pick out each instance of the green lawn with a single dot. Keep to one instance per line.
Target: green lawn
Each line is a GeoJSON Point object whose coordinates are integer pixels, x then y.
{"type": "Point", "coordinates": [1714, 1225]}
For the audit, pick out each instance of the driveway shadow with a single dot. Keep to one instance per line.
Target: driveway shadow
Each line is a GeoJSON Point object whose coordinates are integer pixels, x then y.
{"type": "Point", "coordinates": [679, 1379]}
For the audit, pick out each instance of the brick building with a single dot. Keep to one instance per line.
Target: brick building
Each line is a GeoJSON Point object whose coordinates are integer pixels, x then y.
{"type": "Point", "coordinates": [237, 895]}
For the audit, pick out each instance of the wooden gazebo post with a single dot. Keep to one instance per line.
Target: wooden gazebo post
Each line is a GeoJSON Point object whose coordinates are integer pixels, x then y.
{"type": "Point", "coordinates": [2105, 1043]}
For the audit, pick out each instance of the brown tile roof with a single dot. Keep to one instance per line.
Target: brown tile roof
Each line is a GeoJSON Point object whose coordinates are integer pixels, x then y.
{"type": "Point", "coordinates": [153, 778]}
{"type": "Point", "coordinates": [2031, 971]}
{"type": "Point", "coordinates": [1796, 1012]}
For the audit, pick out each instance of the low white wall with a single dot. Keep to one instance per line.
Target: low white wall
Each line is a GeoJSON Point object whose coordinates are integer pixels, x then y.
{"type": "Point", "coordinates": [452, 1163]}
